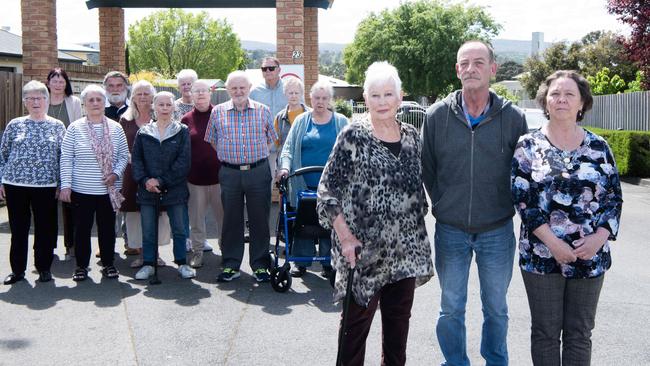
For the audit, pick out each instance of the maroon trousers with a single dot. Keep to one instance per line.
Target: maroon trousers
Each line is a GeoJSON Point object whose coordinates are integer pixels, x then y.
{"type": "Point", "coordinates": [395, 301]}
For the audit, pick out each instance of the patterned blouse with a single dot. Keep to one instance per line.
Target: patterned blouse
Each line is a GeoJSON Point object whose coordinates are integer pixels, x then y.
{"type": "Point", "coordinates": [574, 192]}
{"type": "Point", "coordinates": [382, 200]}
{"type": "Point", "coordinates": [30, 152]}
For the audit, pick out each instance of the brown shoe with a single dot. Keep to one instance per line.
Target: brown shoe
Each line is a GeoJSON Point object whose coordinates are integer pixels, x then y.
{"type": "Point", "coordinates": [132, 251]}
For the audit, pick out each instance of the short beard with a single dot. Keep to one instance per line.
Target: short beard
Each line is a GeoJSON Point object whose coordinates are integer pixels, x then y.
{"type": "Point", "coordinates": [117, 98]}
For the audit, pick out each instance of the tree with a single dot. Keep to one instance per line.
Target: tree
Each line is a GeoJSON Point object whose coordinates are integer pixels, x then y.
{"type": "Point", "coordinates": [508, 70]}
{"type": "Point", "coordinates": [636, 13]}
{"type": "Point", "coordinates": [501, 90]}
{"type": "Point", "coordinates": [601, 49]}
{"type": "Point", "coordinates": [172, 40]}
{"type": "Point", "coordinates": [560, 56]}
{"type": "Point", "coordinates": [420, 39]}
{"type": "Point", "coordinates": [603, 84]}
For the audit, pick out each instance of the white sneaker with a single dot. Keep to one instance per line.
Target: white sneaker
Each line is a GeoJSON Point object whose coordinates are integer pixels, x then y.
{"type": "Point", "coordinates": [186, 271]}
{"type": "Point", "coordinates": [144, 273]}
{"type": "Point", "coordinates": [207, 247]}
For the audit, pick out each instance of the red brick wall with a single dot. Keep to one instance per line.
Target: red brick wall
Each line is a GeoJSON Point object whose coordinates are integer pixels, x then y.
{"type": "Point", "coordinates": [289, 30]}
{"type": "Point", "coordinates": [111, 39]}
{"type": "Point", "coordinates": [311, 48]}
{"type": "Point", "coordinates": [39, 38]}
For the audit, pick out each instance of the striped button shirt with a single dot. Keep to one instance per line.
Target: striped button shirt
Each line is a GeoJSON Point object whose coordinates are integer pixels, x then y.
{"type": "Point", "coordinates": [79, 167]}
{"type": "Point", "coordinates": [242, 137]}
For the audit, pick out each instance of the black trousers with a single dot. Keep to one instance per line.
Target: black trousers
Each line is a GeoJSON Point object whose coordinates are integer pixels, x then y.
{"type": "Point", "coordinates": [395, 301]}
{"type": "Point", "coordinates": [21, 203]}
{"type": "Point", "coordinates": [68, 225]}
{"type": "Point", "coordinates": [85, 208]}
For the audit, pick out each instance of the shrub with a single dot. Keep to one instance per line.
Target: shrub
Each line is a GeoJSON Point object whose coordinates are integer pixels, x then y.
{"type": "Point", "coordinates": [631, 150]}
{"type": "Point", "coordinates": [343, 106]}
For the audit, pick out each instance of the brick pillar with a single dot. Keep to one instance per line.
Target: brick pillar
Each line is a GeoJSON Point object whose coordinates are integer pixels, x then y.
{"type": "Point", "coordinates": [311, 48]}
{"type": "Point", "coordinates": [111, 39]}
{"type": "Point", "coordinates": [290, 31]}
{"type": "Point", "coordinates": [39, 38]}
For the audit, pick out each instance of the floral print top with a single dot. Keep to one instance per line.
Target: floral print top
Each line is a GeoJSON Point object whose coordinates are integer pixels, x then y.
{"type": "Point", "coordinates": [382, 200]}
{"type": "Point", "coordinates": [30, 152]}
{"type": "Point", "coordinates": [574, 192]}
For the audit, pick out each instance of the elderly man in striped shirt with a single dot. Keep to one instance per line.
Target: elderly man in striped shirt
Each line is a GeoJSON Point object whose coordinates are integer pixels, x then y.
{"type": "Point", "coordinates": [240, 130]}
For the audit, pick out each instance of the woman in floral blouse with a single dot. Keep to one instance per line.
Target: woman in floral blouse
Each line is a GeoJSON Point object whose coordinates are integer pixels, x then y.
{"type": "Point", "coordinates": [29, 169]}
{"type": "Point", "coordinates": [567, 190]}
{"type": "Point", "coordinates": [371, 194]}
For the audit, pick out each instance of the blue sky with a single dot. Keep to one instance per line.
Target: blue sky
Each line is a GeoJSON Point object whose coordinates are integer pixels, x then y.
{"type": "Point", "coordinates": [558, 19]}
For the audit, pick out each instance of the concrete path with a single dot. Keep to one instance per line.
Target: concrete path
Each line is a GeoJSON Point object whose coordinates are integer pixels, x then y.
{"type": "Point", "coordinates": [200, 322]}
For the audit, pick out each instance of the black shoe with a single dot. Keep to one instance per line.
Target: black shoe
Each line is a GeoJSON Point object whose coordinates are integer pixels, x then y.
{"type": "Point", "coordinates": [45, 276]}
{"type": "Point", "coordinates": [13, 278]}
{"type": "Point", "coordinates": [327, 271]}
{"type": "Point", "coordinates": [299, 271]}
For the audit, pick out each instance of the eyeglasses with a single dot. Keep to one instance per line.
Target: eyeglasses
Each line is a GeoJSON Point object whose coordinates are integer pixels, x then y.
{"type": "Point", "coordinates": [34, 99]}
{"type": "Point", "coordinates": [200, 91]}
{"type": "Point", "coordinates": [268, 68]}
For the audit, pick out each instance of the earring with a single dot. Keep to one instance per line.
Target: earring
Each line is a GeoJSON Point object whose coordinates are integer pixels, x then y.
{"type": "Point", "coordinates": [580, 115]}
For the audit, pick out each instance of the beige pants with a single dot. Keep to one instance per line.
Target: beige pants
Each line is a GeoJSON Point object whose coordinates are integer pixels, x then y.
{"type": "Point", "coordinates": [202, 198]}
{"type": "Point", "coordinates": [134, 229]}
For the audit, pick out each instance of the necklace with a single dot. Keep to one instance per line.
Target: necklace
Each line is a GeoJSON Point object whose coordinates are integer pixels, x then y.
{"type": "Point", "coordinates": [56, 111]}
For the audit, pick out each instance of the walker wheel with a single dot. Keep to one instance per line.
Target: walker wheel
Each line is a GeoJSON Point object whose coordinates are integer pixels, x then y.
{"type": "Point", "coordinates": [280, 279]}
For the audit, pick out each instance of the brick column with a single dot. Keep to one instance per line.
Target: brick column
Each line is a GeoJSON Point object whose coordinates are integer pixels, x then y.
{"type": "Point", "coordinates": [111, 39]}
{"type": "Point", "coordinates": [311, 48]}
{"type": "Point", "coordinates": [290, 36]}
{"type": "Point", "coordinates": [39, 38]}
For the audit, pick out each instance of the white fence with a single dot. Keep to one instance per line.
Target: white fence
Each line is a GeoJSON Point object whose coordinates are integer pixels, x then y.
{"type": "Point", "coordinates": [629, 111]}
{"type": "Point", "coordinates": [410, 112]}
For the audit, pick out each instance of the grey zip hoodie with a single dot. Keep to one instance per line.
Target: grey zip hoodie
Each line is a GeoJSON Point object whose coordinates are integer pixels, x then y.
{"type": "Point", "coordinates": [466, 171]}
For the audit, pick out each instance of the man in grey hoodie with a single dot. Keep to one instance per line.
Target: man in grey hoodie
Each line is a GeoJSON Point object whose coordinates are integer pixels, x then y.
{"type": "Point", "coordinates": [468, 142]}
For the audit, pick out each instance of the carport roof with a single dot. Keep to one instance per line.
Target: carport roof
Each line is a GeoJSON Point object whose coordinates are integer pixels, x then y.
{"type": "Point", "coordinates": [323, 4]}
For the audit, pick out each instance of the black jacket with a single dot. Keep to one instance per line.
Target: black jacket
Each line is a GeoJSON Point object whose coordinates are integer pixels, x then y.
{"type": "Point", "coordinates": [168, 161]}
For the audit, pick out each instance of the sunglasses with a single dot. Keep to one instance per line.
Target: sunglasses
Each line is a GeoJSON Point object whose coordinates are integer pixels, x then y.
{"type": "Point", "coordinates": [268, 68]}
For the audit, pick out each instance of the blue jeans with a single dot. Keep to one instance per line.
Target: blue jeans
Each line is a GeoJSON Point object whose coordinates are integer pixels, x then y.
{"type": "Point", "coordinates": [177, 222]}
{"type": "Point", "coordinates": [494, 250]}
{"type": "Point", "coordinates": [305, 248]}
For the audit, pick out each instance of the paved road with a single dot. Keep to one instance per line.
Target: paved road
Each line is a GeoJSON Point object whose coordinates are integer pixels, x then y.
{"type": "Point", "coordinates": [199, 322]}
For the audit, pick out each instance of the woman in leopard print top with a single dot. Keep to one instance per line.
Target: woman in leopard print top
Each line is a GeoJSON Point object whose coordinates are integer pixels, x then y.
{"type": "Point", "coordinates": [371, 194]}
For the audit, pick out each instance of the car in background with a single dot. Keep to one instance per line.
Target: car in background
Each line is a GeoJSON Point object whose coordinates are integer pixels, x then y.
{"type": "Point", "coordinates": [534, 118]}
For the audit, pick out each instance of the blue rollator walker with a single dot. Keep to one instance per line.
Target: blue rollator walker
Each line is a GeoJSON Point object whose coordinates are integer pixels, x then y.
{"type": "Point", "coordinates": [301, 223]}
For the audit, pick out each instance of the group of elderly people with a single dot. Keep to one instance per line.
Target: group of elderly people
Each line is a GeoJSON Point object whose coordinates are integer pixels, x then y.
{"type": "Point", "coordinates": [474, 157]}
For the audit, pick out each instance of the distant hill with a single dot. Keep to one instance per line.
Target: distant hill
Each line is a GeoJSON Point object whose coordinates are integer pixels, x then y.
{"type": "Point", "coordinates": [270, 47]}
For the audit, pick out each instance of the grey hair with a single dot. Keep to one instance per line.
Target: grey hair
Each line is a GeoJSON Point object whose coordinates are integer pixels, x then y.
{"type": "Point", "coordinates": [132, 112]}
{"type": "Point", "coordinates": [381, 72]}
{"type": "Point", "coordinates": [164, 94]}
{"type": "Point", "coordinates": [187, 74]}
{"type": "Point", "coordinates": [238, 74]}
{"type": "Point", "coordinates": [202, 82]}
{"type": "Point", "coordinates": [116, 74]}
{"type": "Point", "coordinates": [292, 81]}
{"type": "Point", "coordinates": [322, 85]}
{"type": "Point", "coordinates": [35, 86]}
{"type": "Point", "coordinates": [93, 88]}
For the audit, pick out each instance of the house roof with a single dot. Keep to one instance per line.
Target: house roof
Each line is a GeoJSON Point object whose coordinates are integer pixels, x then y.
{"type": "Point", "coordinates": [72, 47]}
{"type": "Point", "coordinates": [323, 4]}
{"type": "Point", "coordinates": [12, 45]}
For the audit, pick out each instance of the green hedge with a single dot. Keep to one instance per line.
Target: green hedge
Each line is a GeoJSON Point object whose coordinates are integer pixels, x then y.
{"type": "Point", "coordinates": [631, 150]}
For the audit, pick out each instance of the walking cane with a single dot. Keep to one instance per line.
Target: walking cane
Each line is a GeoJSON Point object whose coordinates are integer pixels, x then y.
{"type": "Point", "coordinates": [346, 307]}
{"type": "Point", "coordinates": [155, 280]}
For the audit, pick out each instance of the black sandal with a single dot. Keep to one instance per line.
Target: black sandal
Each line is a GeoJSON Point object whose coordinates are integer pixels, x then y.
{"type": "Point", "coordinates": [110, 272]}
{"type": "Point", "coordinates": [80, 274]}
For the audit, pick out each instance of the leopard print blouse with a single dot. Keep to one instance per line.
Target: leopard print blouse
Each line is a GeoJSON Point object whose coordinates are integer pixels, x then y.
{"type": "Point", "coordinates": [382, 200]}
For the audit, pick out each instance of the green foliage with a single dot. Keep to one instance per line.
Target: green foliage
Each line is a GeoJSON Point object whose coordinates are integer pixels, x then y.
{"type": "Point", "coordinates": [420, 39]}
{"type": "Point", "coordinates": [171, 40]}
{"type": "Point", "coordinates": [596, 50]}
{"type": "Point", "coordinates": [631, 150]}
{"type": "Point", "coordinates": [342, 106]}
{"type": "Point", "coordinates": [603, 84]}
{"type": "Point", "coordinates": [635, 85]}
{"type": "Point", "coordinates": [501, 90]}
{"type": "Point", "coordinates": [508, 70]}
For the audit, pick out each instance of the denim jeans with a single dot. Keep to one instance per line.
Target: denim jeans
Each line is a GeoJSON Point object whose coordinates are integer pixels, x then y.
{"type": "Point", "coordinates": [494, 250]}
{"type": "Point", "coordinates": [303, 247]}
{"type": "Point", "coordinates": [177, 222]}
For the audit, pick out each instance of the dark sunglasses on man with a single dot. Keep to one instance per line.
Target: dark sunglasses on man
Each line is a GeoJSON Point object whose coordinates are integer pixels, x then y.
{"type": "Point", "coordinates": [268, 68]}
